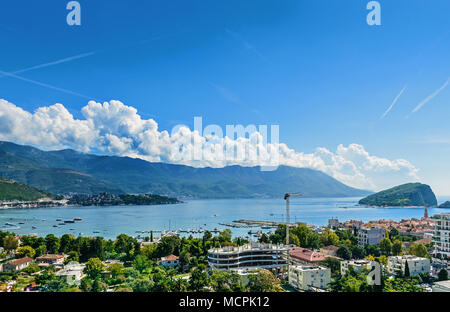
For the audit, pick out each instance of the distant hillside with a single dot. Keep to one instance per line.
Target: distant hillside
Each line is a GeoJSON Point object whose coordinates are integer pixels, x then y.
{"type": "Point", "coordinates": [69, 171]}
{"type": "Point", "coordinates": [445, 205]}
{"type": "Point", "coordinates": [411, 194]}
{"type": "Point", "coordinates": [10, 190]}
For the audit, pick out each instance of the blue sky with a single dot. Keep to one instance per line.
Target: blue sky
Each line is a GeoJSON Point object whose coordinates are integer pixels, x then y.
{"type": "Point", "coordinates": [313, 67]}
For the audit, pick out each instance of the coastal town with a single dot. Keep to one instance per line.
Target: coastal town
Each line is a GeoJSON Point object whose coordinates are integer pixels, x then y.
{"type": "Point", "coordinates": [412, 255]}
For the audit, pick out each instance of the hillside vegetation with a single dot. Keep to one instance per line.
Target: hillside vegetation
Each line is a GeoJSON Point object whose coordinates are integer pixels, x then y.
{"type": "Point", "coordinates": [10, 190]}
{"type": "Point", "coordinates": [411, 194]}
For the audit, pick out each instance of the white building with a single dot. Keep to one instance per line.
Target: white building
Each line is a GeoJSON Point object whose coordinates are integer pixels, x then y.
{"type": "Point", "coordinates": [441, 236]}
{"type": "Point", "coordinates": [169, 261]}
{"type": "Point", "coordinates": [358, 265]}
{"type": "Point", "coordinates": [416, 265]}
{"type": "Point", "coordinates": [72, 272]}
{"type": "Point", "coordinates": [370, 236]}
{"type": "Point", "coordinates": [443, 286]}
{"type": "Point", "coordinates": [309, 277]}
{"type": "Point", "coordinates": [17, 265]}
{"type": "Point", "coordinates": [249, 257]}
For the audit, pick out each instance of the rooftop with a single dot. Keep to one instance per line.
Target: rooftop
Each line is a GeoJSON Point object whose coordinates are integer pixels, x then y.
{"type": "Point", "coordinates": [307, 255]}
{"type": "Point", "coordinates": [18, 262]}
{"type": "Point", "coordinates": [249, 247]}
{"type": "Point", "coordinates": [309, 268]}
{"type": "Point", "coordinates": [170, 258]}
{"type": "Point", "coordinates": [50, 257]}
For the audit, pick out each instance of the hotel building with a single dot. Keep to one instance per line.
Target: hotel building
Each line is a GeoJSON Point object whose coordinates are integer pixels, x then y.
{"type": "Point", "coordinates": [441, 237]}
{"type": "Point", "coordinates": [249, 257]}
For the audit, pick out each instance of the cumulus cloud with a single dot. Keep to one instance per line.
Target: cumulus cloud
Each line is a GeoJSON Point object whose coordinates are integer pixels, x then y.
{"type": "Point", "coordinates": [117, 129]}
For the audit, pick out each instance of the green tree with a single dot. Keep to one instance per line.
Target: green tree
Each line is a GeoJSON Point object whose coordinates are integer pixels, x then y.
{"type": "Point", "coordinates": [10, 243]}
{"type": "Point", "coordinates": [222, 281]}
{"type": "Point", "coordinates": [394, 234]}
{"type": "Point", "coordinates": [67, 243]}
{"type": "Point", "coordinates": [443, 275]}
{"type": "Point", "coordinates": [41, 250]}
{"type": "Point", "coordinates": [407, 272]}
{"type": "Point", "coordinates": [328, 238]}
{"type": "Point", "coordinates": [199, 279]}
{"type": "Point", "coordinates": [116, 269]}
{"type": "Point", "coordinates": [397, 247]}
{"type": "Point", "coordinates": [419, 250]}
{"type": "Point", "coordinates": [344, 252]}
{"type": "Point", "coordinates": [263, 281]}
{"type": "Point", "coordinates": [25, 251]}
{"type": "Point", "coordinates": [52, 244]}
{"type": "Point", "coordinates": [385, 246]}
{"type": "Point", "coordinates": [225, 235]}
{"type": "Point", "coordinates": [140, 263]}
{"type": "Point", "coordinates": [94, 267]}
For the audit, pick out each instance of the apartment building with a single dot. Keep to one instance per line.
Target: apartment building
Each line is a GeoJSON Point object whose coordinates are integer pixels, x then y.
{"type": "Point", "coordinates": [370, 236]}
{"type": "Point", "coordinates": [441, 237]}
{"type": "Point", "coordinates": [416, 265]}
{"type": "Point", "coordinates": [358, 265]}
{"type": "Point", "coordinates": [309, 278]}
{"type": "Point", "coordinates": [249, 257]}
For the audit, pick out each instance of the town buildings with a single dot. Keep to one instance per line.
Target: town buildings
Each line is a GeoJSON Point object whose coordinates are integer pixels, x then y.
{"type": "Point", "coordinates": [17, 265]}
{"type": "Point", "coordinates": [416, 265]}
{"type": "Point", "coordinates": [309, 278]}
{"type": "Point", "coordinates": [422, 228]}
{"type": "Point", "coordinates": [370, 236]}
{"type": "Point", "coordinates": [51, 259]}
{"type": "Point", "coordinates": [249, 257]}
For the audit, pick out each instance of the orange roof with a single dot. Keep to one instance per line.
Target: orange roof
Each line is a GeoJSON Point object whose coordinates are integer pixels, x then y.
{"type": "Point", "coordinates": [18, 262]}
{"type": "Point", "coordinates": [307, 255]}
{"type": "Point", "coordinates": [170, 258]}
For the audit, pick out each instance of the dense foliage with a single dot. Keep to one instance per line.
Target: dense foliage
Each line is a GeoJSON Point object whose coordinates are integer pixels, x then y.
{"type": "Point", "coordinates": [10, 190]}
{"type": "Point", "coordinates": [411, 194]}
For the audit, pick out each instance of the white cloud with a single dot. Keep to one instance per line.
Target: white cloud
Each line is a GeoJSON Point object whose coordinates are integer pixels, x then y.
{"type": "Point", "coordinates": [117, 129]}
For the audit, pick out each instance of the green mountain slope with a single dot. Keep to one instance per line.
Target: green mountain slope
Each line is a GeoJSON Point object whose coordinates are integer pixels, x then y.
{"type": "Point", "coordinates": [411, 194]}
{"type": "Point", "coordinates": [122, 174]}
{"type": "Point", "coordinates": [10, 190]}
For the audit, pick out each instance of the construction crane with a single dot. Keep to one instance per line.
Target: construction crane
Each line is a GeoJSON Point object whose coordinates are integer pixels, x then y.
{"type": "Point", "coordinates": [287, 196]}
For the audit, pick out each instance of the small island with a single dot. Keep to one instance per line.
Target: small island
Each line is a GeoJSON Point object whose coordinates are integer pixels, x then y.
{"type": "Point", "coordinates": [445, 205]}
{"type": "Point", "coordinates": [105, 199]}
{"type": "Point", "coordinates": [406, 195]}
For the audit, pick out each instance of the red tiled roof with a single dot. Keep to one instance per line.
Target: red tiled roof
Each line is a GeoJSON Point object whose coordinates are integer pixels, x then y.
{"type": "Point", "coordinates": [18, 262]}
{"type": "Point", "coordinates": [307, 255]}
{"type": "Point", "coordinates": [170, 258]}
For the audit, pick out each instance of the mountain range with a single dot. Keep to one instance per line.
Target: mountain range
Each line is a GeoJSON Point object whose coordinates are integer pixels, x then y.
{"type": "Point", "coordinates": [71, 172]}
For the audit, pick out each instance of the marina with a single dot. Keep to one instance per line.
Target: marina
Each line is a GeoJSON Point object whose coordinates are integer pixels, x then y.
{"type": "Point", "coordinates": [194, 217]}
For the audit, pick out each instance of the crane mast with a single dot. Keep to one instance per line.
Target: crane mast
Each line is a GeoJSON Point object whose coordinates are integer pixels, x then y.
{"type": "Point", "coordinates": [286, 198]}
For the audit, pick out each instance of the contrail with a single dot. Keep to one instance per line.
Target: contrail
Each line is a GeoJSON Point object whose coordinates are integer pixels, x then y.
{"type": "Point", "coordinates": [45, 85]}
{"type": "Point", "coordinates": [64, 60]}
{"type": "Point", "coordinates": [393, 103]}
{"type": "Point", "coordinates": [431, 96]}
